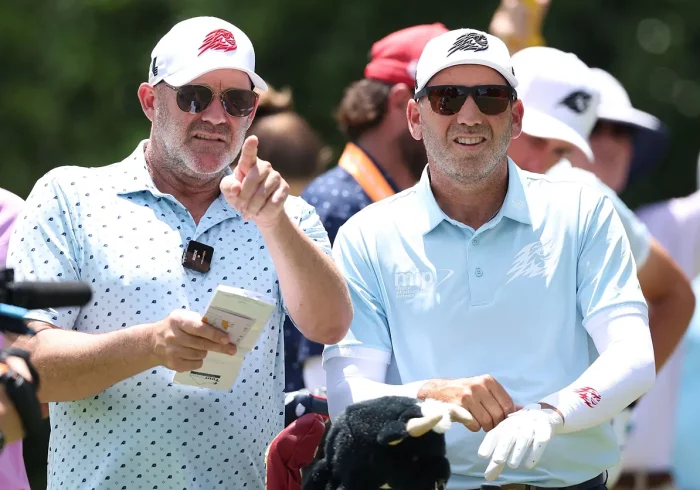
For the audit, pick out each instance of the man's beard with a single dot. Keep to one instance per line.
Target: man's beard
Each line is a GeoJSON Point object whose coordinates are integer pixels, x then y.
{"type": "Point", "coordinates": [179, 157]}
{"type": "Point", "coordinates": [413, 154]}
{"type": "Point", "coordinates": [467, 168]}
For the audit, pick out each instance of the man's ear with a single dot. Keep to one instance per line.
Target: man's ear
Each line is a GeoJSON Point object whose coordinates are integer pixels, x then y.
{"type": "Point", "coordinates": [414, 119]}
{"type": "Point", "coordinates": [518, 111]}
{"type": "Point", "coordinates": [392, 433]}
{"type": "Point", "coordinates": [147, 97]}
{"type": "Point", "coordinates": [399, 95]}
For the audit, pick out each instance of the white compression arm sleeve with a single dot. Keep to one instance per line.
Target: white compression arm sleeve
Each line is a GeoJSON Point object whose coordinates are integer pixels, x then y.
{"type": "Point", "coordinates": [623, 372]}
{"type": "Point", "coordinates": [350, 380]}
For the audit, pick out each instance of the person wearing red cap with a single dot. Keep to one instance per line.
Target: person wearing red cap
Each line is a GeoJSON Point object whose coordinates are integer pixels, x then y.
{"type": "Point", "coordinates": [380, 158]}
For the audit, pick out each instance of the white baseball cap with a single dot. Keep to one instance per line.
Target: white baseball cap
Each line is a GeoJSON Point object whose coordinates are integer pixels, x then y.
{"type": "Point", "coordinates": [615, 104]}
{"type": "Point", "coordinates": [199, 45]}
{"type": "Point", "coordinates": [463, 47]}
{"type": "Point", "coordinates": [558, 94]}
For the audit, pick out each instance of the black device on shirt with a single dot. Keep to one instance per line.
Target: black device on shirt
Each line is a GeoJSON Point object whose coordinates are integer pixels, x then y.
{"type": "Point", "coordinates": [197, 256]}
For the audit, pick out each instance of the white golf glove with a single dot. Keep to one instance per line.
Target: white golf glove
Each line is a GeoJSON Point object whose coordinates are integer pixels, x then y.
{"type": "Point", "coordinates": [532, 427]}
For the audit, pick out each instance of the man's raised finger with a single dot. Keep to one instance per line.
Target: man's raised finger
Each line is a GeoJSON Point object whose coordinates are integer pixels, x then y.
{"type": "Point", "coordinates": [249, 154]}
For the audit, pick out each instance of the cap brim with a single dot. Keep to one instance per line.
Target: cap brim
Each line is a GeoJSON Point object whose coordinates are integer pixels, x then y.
{"type": "Point", "coordinates": [541, 125]}
{"type": "Point", "coordinates": [650, 147]}
{"type": "Point", "coordinates": [631, 116]}
{"type": "Point", "coordinates": [510, 78]}
{"type": "Point", "coordinates": [183, 77]}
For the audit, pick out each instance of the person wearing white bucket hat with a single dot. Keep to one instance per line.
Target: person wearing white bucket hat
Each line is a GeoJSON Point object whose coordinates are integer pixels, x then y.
{"type": "Point", "coordinates": [483, 284]}
{"type": "Point", "coordinates": [564, 99]}
{"type": "Point", "coordinates": [626, 141]}
{"type": "Point", "coordinates": [560, 107]}
{"type": "Point", "coordinates": [155, 235]}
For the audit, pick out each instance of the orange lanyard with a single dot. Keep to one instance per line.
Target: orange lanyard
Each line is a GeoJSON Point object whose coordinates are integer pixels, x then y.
{"type": "Point", "coordinates": [355, 162]}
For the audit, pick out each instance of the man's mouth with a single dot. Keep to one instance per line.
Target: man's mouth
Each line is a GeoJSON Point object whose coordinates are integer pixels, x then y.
{"type": "Point", "coordinates": [470, 141]}
{"type": "Point", "coordinates": [209, 137]}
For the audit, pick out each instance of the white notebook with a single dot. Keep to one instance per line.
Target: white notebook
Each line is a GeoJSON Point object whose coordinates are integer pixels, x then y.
{"type": "Point", "coordinates": [240, 313]}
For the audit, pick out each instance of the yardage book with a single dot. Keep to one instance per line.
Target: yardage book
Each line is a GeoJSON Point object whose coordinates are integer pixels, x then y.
{"type": "Point", "coordinates": [240, 313]}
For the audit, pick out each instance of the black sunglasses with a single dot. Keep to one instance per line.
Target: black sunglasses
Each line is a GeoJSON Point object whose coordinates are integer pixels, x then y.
{"type": "Point", "coordinates": [449, 99]}
{"type": "Point", "coordinates": [194, 99]}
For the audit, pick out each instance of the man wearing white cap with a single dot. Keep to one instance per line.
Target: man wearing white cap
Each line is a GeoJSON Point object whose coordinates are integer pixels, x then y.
{"type": "Point", "coordinates": [118, 420]}
{"type": "Point", "coordinates": [561, 99]}
{"type": "Point", "coordinates": [483, 284]}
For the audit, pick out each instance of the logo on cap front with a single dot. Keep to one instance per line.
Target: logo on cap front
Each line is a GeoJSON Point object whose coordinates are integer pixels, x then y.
{"type": "Point", "coordinates": [218, 40]}
{"type": "Point", "coordinates": [469, 42]}
{"type": "Point", "coordinates": [578, 101]}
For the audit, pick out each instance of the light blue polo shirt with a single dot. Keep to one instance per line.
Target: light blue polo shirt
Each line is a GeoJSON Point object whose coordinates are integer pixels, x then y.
{"type": "Point", "coordinates": [637, 232]}
{"type": "Point", "coordinates": [435, 299]}
{"type": "Point", "coordinates": [112, 228]}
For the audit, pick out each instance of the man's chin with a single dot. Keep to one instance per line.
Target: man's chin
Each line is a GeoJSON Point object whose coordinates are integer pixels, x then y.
{"type": "Point", "coordinates": [209, 163]}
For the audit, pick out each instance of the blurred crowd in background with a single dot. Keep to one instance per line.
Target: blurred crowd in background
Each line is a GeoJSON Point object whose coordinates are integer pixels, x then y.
{"type": "Point", "coordinates": [70, 80]}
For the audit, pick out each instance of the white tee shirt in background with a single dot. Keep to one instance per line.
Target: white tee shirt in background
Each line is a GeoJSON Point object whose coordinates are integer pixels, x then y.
{"type": "Point", "coordinates": [676, 225]}
{"type": "Point", "coordinates": [637, 233]}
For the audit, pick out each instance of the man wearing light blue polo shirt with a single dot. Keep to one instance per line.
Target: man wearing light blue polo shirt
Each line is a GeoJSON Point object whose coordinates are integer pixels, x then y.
{"type": "Point", "coordinates": [484, 285]}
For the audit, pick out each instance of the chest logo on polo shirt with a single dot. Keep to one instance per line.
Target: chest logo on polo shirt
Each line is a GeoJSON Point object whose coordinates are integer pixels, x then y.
{"type": "Point", "coordinates": [409, 284]}
{"type": "Point", "coordinates": [534, 260]}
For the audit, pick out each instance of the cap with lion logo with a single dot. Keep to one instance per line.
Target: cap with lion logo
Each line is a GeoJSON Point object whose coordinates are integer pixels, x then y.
{"type": "Point", "coordinates": [464, 47]}
{"type": "Point", "coordinates": [559, 96]}
{"type": "Point", "coordinates": [198, 46]}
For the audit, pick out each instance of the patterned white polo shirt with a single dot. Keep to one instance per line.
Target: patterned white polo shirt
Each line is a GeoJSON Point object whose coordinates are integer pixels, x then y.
{"type": "Point", "coordinates": [112, 228]}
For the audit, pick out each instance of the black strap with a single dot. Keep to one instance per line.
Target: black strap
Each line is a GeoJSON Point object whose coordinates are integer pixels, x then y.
{"type": "Point", "coordinates": [587, 485]}
{"type": "Point", "coordinates": [592, 483]}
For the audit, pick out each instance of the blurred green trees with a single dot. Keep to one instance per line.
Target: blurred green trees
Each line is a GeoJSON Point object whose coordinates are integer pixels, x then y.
{"type": "Point", "coordinates": [69, 69]}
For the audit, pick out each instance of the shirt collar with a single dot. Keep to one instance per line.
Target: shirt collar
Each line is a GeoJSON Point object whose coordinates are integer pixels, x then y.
{"type": "Point", "coordinates": [136, 178]}
{"type": "Point", "coordinates": [562, 164]}
{"type": "Point", "coordinates": [515, 205]}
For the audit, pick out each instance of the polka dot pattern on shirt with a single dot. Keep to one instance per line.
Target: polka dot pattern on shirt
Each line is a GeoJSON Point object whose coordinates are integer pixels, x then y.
{"type": "Point", "coordinates": [111, 228]}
